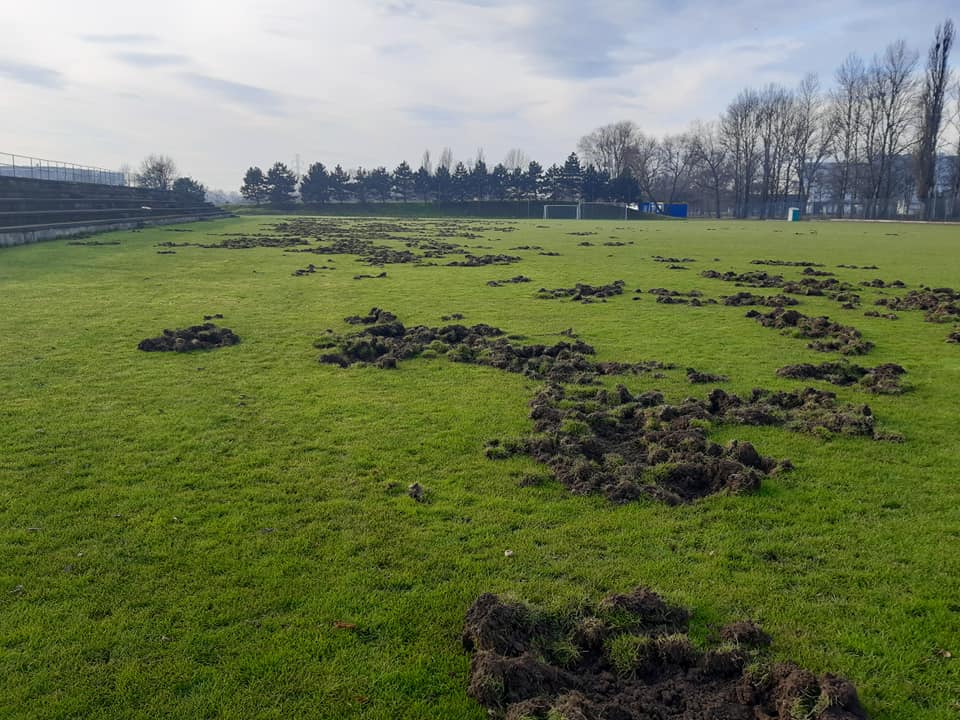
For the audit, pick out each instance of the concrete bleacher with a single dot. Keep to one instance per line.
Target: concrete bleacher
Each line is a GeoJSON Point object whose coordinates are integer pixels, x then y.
{"type": "Point", "coordinates": [33, 210]}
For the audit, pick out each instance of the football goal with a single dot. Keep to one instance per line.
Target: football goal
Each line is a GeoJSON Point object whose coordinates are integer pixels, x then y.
{"type": "Point", "coordinates": [561, 212]}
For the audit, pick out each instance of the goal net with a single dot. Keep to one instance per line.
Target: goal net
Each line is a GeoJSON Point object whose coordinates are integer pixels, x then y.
{"type": "Point", "coordinates": [561, 212]}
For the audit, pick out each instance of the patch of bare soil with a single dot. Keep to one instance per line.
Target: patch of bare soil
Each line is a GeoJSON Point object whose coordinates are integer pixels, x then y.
{"type": "Point", "coordinates": [629, 657]}
{"type": "Point", "coordinates": [481, 260]}
{"type": "Point", "coordinates": [882, 380]}
{"type": "Point", "coordinates": [787, 263]}
{"type": "Point", "coordinates": [673, 260]}
{"type": "Point", "coordinates": [938, 304]}
{"type": "Point", "coordinates": [508, 281]}
{"type": "Point", "coordinates": [627, 446]}
{"type": "Point", "coordinates": [744, 299]}
{"type": "Point", "coordinates": [878, 283]}
{"type": "Point", "coordinates": [694, 298]}
{"type": "Point", "coordinates": [832, 288]}
{"type": "Point", "coordinates": [197, 337]}
{"type": "Point", "coordinates": [581, 292]}
{"type": "Point", "coordinates": [385, 341]}
{"type": "Point", "coordinates": [825, 334]}
{"type": "Point", "coordinates": [954, 337]}
{"type": "Point", "coordinates": [701, 378]}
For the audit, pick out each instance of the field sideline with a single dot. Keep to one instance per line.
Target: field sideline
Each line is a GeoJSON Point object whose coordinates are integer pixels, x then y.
{"type": "Point", "coordinates": [228, 534]}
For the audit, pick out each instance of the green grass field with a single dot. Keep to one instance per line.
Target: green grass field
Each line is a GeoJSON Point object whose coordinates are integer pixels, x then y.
{"type": "Point", "coordinates": [180, 533]}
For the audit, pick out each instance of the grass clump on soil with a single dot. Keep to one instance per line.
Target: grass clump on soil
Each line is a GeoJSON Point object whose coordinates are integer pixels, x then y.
{"type": "Point", "coordinates": [825, 334]}
{"type": "Point", "coordinates": [196, 337]}
{"type": "Point", "coordinates": [630, 656]}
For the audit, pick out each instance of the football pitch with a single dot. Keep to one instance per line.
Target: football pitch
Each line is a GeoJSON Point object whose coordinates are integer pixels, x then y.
{"type": "Point", "coordinates": [232, 532]}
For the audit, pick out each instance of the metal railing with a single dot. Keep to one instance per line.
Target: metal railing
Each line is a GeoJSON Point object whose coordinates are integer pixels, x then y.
{"type": "Point", "coordinates": [24, 166]}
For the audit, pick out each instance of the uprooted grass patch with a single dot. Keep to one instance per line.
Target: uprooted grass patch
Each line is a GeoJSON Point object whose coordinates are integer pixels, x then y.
{"type": "Point", "coordinates": [385, 341]}
{"type": "Point", "coordinates": [629, 657]}
{"type": "Point", "coordinates": [830, 287]}
{"type": "Point", "coordinates": [825, 334]}
{"type": "Point", "coordinates": [882, 380]}
{"type": "Point", "coordinates": [196, 337]}
{"type": "Point", "coordinates": [938, 304]}
{"type": "Point", "coordinates": [627, 446]}
{"type": "Point", "coordinates": [744, 299]}
{"type": "Point", "coordinates": [581, 292]}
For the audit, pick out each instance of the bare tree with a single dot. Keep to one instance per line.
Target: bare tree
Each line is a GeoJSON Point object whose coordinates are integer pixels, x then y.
{"type": "Point", "coordinates": [889, 105]}
{"type": "Point", "coordinates": [775, 105]}
{"type": "Point", "coordinates": [740, 131]}
{"type": "Point", "coordinates": [516, 160]}
{"type": "Point", "coordinates": [932, 99]}
{"type": "Point", "coordinates": [157, 172]}
{"type": "Point", "coordinates": [813, 135]}
{"type": "Point", "coordinates": [675, 157]}
{"type": "Point", "coordinates": [710, 160]}
{"type": "Point", "coordinates": [426, 162]}
{"type": "Point", "coordinates": [642, 160]}
{"type": "Point", "coordinates": [847, 119]}
{"type": "Point", "coordinates": [610, 147]}
{"type": "Point", "coordinates": [955, 175]}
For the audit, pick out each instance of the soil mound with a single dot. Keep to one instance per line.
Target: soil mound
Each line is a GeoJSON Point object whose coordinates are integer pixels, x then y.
{"type": "Point", "coordinates": [939, 304]}
{"type": "Point", "coordinates": [672, 260]}
{"type": "Point", "coordinates": [481, 260]}
{"type": "Point", "coordinates": [744, 299]}
{"type": "Point", "coordinates": [878, 283]}
{"type": "Point", "coordinates": [629, 657]}
{"type": "Point", "coordinates": [701, 378]}
{"type": "Point", "coordinates": [694, 298]}
{"type": "Point", "coordinates": [385, 341]}
{"type": "Point", "coordinates": [825, 335]}
{"type": "Point", "coordinates": [581, 292]}
{"type": "Point", "coordinates": [883, 379]}
{"type": "Point", "coordinates": [196, 337]}
{"type": "Point", "coordinates": [627, 446]}
{"type": "Point", "coordinates": [810, 286]}
{"type": "Point", "coordinates": [954, 337]}
{"type": "Point", "coordinates": [787, 263]}
{"type": "Point", "coordinates": [508, 281]}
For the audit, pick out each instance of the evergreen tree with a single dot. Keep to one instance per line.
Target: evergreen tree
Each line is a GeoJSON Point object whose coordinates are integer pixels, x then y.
{"type": "Point", "coordinates": [281, 183]}
{"type": "Point", "coordinates": [189, 186]}
{"type": "Point", "coordinates": [552, 184]}
{"type": "Point", "coordinates": [315, 185]}
{"type": "Point", "coordinates": [532, 179]}
{"type": "Point", "coordinates": [461, 182]}
{"type": "Point", "coordinates": [595, 184]}
{"type": "Point", "coordinates": [403, 181]}
{"type": "Point", "coordinates": [379, 183]}
{"type": "Point", "coordinates": [443, 181]}
{"type": "Point", "coordinates": [479, 180]}
{"type": "Point", "coordinates": [516, 184]}
{"type": "Point", "coordinates": [254, 185]}
{"type": "Point", "coordinates": [359, 184]}
{"type": "Point", "coordinates": [499, 181]}
{"type": "Point", "coordinates": [423, 184]}
{"type": "Point", "coordinates": [339, 184]}
{"type": "Point", "coordinates": [625, 188]}
{"type": "Point", "coordinates": [572, 181]}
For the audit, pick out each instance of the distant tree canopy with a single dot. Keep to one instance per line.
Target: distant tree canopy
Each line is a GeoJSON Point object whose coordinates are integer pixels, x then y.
{"type": "Point", "coordinates": [883, 141]}
{"type": "Point", "coordinates": [157, 172]}
{"type": "Point", "coordinates": [189, 186]}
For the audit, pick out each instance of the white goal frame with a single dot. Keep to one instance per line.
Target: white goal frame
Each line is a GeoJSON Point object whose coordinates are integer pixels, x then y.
{"type": "Point", "coordinates": [575, 206]}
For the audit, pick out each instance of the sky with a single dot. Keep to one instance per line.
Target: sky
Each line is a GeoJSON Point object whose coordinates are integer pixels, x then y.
{"type": "Point", "coordinates": [220, 87]}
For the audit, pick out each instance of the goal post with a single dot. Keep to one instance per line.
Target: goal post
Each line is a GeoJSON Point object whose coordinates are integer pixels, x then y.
{"type": "Point", "coordinates": [561, 212]}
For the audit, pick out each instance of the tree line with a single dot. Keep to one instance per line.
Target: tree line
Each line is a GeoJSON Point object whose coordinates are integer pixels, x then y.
{"type": "Point", "coordinates": [873, 144]}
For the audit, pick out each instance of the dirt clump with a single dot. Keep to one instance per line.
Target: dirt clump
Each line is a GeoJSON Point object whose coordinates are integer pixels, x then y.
{"type": "Point", "coordinates": [886, 316]}
{"type": "Point", "coordinates": [629, 657]}
{"type": "Point", "coordinates": [878, 283]}
{"type": "Point", "coordinates": [954, 337]}
{"type": "Point", "coordinates": [825, 335]}
{"type": "Point", "coordinates": [938, 304]}
{"type": "Point", "coordinates": [743, 299]}
{"type": "Point", "coordinates": [384, 341]}
{"type": "Point", "coordinates": [701, 378]}
{"type": "Point", "coordinates": [364, 276]}
{"type": "Point", "coordinates": [514, 280]}
{"type": "Point", "coordinates": [417, 492]}
{"type": "Point", "coordinates": [196, 337]}
{"type": "Point", "coordinates": [672, 260]}
{"type": "Point", "coordinates": [481, 260]}
{"type": "Point", "coordinates": [93, 243]}
{"type": "Point", "coordinates": [581, 292]}
{"type": "Point", "coordinates": [787, 263]}
{"type": "Point", "coordinates": [694, 298]}
{"type": "Point", "coordinates": [859, 267]}
{"type": "Point", "coordinates": [882, 380]}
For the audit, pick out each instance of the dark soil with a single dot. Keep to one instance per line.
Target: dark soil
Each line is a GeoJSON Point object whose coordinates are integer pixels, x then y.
{"type": "Point", "coordinates": [627, 446]}
{"type": "Point", "coordinates": [829, 287]}
{"type": "Point", "coordinates": [661, 259]}
{"type": "Point", "coordinates": [859, 267]}
{"type": "Point", "coordinates": [825, 335]}
{"type": "Point", "coordinates": [938, 304]}
{"type": "Point", "coordinates": [93, 243]}
{"type": "Point", "coordinates": [887, 316]}
{"type": "Point", "coordinates": [954, 337]}
{"type": "Point", "coordinates": [310, 270]}
{"type": "Point", "coordinates": [481, 260]}
{"type": "Point", "coordinates": [693, 298]}
{"type": "Point", "coordinates": [581, 292]}
{"type": "Point", "coordinates": [810, 272]}
{"type": "Point", "coordinates": [629, 657]}
{"type": "Point", "coordinates": [743, 299]}
{"type": "Point", "coordinates": [385, 341]}
{"type": "Point", "coordinates": [878, 283]}
{"type": "Point", "coordinates": [196, 337]}
{"type": "Point", "coordinates": [515, 279]}
{"type": "Point", "coordinates": [787, 263]}
{"type": "Point", "coordinates": [883, 379]}
{"type": "Point", "coordinates": [370, 277]}
{"type": "Point", "coordinates": [701, 378]}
